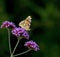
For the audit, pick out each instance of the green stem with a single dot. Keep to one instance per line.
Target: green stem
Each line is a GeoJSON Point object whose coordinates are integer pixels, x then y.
{"type": "Point", "coordinates": [9, 40]}
{"type": "Point", "coordinates": [16, 46]}
{"type": "Point", "coordinates": [23, 52]}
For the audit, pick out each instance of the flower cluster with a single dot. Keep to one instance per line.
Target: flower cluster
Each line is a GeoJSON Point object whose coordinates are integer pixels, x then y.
{"type": "Point", "coordinates": [32, 45]}
{"type": "Point", "coordinates": [20, 32]}
{"type": "Point", "coordinates": [8, 24]}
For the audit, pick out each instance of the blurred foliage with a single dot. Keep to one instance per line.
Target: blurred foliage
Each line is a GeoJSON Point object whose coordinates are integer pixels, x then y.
{"type": "Point", "coordinates": [45, 26]}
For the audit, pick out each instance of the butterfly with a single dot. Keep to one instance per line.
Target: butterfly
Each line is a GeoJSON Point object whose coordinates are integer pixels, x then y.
{"type": "Point", "coordinates": [26, 23]}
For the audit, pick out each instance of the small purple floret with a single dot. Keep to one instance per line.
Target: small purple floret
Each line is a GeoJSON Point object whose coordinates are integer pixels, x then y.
{"type": "Point", "coordinates": [26, 35]}
{"type": "Point", "coordinates": [12, 25]}
{"type": "Point", "coordinates": [32, 45]}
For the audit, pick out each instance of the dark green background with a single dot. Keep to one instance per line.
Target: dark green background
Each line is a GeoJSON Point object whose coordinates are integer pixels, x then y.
{"type": "Point", "coordinates": [45, 26]}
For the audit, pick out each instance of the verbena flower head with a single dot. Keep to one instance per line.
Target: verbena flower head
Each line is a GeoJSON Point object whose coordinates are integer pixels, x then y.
{"type": "Point", "coordinates": [32, 45]}
{"type": "Point", "coordinates": [8, 24]}
{"type": "Point", "coordinates": [20, 32]}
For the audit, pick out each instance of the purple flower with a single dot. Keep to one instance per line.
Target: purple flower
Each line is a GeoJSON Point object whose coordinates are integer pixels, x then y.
{"type": "Point", "coordinates": [32, 45]}
{"type": "Point", "coordinates": [12, 25]}
{"type": "Point", "coordinates": [20, 32]}
{"type": "Point", "coordinates": [26, 35]}
{"type": "Point", "coordinates": [8, 24]}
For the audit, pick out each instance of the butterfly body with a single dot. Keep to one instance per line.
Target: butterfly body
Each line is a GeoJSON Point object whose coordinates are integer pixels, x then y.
{"type": "Point", "coordinates": [26, 23]}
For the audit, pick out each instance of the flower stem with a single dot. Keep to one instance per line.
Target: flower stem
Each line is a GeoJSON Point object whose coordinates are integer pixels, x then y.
{"type": "Point", "coordinates": [23, 52]}
{"type": "Point", "coordinates": [9, 40]}
{"type": "Point", "coordinates": [16, 46]}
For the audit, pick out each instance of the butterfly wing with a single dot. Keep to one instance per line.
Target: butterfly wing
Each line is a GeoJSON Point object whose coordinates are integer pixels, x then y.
{"type": "Point", "coordinates": [29, 18]}
{"type": "Point", "coordinates": [21, 24]}
{"type": "Point", "coordinates": [26, 23]}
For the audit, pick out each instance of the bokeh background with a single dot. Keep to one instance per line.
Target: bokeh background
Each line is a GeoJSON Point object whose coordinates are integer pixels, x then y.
{"type": "Point", "coordinates": [45, 26]}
